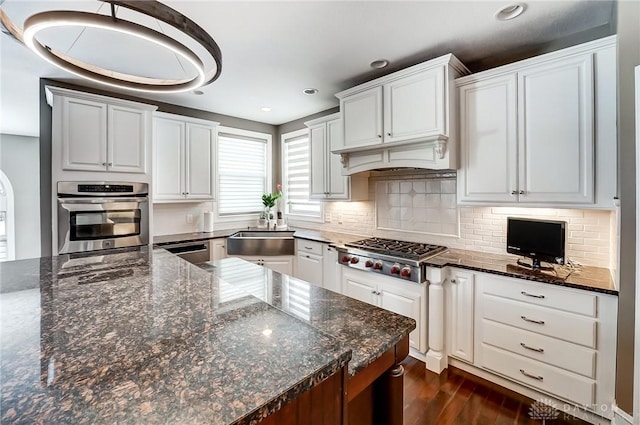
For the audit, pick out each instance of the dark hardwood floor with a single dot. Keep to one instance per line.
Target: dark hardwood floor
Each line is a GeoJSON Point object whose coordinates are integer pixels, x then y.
{"type": "Point", "coordinates": [453, 399]}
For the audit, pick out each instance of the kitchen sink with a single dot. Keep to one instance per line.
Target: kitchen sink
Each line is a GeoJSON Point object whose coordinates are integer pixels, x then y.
{"type": "Point", "coordinates": [262, 243]}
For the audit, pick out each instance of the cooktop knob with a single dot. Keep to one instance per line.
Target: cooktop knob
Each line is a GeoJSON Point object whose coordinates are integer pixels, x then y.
{"type": "Point", "coordinates": [354, 260]}
{"type": "Point", "coordinates": [395, 269]}
{"type": "Point", "coordinates": [405, 272]}
{"type": "Point", "coordinates": [377, 265]}
{"type": "Point", "coordinates": [368, 263]}
{"type": "Point", "coordinates": [345, 259]}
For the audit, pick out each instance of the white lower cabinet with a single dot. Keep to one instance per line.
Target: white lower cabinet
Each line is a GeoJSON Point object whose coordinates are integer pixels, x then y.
{"type": "Point", "coordinates": [556, 340]}
{"type": "Point", "coordinates": [332, 273]}
{"type": "Point", "coordinates": [393, 294]}
{"type": "Point", "coordinates": [281, 263]}
{"type": "Point", "coordinates": [218, 249]}
{"type": "Point", "coordinates": [309, 261]}
{"type": "Point", "coordinates": [459, 309]}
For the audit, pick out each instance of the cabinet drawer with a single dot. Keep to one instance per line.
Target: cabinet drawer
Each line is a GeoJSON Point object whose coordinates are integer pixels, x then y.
{"type": "Point", "coordinates": [539, 375]}
{"type": "Point", "coordinates": [548, 350]}
{"type": "Point", "coordinates": [574, 301]}
{"type": "Point", "coordinates": [546, 321]}
{"type": "Point", "coordinates": [312, 247]}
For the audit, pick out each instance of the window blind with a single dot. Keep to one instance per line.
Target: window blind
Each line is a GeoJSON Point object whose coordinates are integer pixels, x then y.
{"type": "Point", "coordinates": [242, 174]}
{"type": "Point", "coordinates": [297, 177]}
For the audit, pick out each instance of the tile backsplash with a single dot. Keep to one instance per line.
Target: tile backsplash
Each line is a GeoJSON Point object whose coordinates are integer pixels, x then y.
{"type": "Point", "coordinates": [402, 209]}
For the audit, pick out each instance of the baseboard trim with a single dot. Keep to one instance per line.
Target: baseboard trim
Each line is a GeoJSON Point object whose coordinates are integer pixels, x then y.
{"type": "Point", "coordinates": [620, 417]}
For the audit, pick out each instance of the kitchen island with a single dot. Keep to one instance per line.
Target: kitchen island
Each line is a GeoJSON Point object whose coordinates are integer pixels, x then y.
{"type": "Point", "coordinates": [142, 336]}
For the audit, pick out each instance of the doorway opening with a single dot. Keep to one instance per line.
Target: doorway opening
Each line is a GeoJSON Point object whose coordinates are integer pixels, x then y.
{"type": "Point", "coordinates": [7, 220]}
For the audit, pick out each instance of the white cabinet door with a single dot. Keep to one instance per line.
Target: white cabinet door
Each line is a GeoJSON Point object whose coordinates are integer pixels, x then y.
{"type": "Point", "coordinates": [337, 184]}
{"type": "Point", "coordinates": [318, 152]}
{"type": "Point", "coordinates": [218, 249]}
{"type": "Point", "coordinates": [362, 118]}
{"type": "Point", "coordinates": [309, 267]}
{"type": "Point", "coordinates": [84, 135]}
{"type": "Point", "coordinates": [489, 141]}
{"type": "Point", "coordinates": [355, 286]}
{"type": "Point", "coordinates": [168, 151]}
{"type": "Point", "coordinates": [555, 108]}
{"type": "Point", "coordinates": [279, 264]}
{"type": "Point", "coordinates": [460, 305]}
{"type": "Point", "coordinates": [402, 300]}
{"type": "Point", "coordinates": [198, 161]}
{"type": "Point", "coordinates": [332, 273]}
{"type": "Point", "coordinates": [126, 139]}
{"type": "Point", "coordinates": [414, 106]}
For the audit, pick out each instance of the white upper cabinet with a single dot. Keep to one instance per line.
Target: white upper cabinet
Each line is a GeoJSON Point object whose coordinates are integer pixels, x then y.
{"type": "Point", "coordinates": [183, 158]}
{"type": "Point", "coordinates": [403, 119]}
{"type": "Point", "coordinates": [98, 133]}
{"type": "Point", "coordinates": [326, 179]}
{"type": "Point", "coordinates": [414, 106]}
{"type": "Point", "coordinates": [530, 131]}
{"type": "Point", "coordinates": [555, 116]}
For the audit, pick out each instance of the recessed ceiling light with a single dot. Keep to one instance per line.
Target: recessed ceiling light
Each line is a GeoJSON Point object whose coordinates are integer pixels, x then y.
{"type": "Point", "coordinates": [379, 64]}
{"type": "Point", "coordinates": [265, 109]}
{"type": "Point", "coordinates": [197, 92]}
{"type": "Point", "coordinates": [310, 91]}
{"type": "Point", "coordinates": [509, 12]}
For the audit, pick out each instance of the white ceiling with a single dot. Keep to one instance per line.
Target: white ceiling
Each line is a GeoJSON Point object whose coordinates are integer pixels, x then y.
{"type": "Point", "coordinates": [271, 51]}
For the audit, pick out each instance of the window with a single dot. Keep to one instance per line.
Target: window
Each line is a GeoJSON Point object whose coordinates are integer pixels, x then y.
{"type": "Point", "coordinates": [296, 176]}
{"type": "Point", "coordinates": [244, 171]}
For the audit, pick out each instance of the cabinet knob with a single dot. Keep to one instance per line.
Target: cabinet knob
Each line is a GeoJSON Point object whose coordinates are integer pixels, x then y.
{"type": "Point", "coordinates": [187, 193]}
{"type": "Point", "coordinates": [514, 192]}
{"type": "Point", "coordinates": [389, 134]}
{"type": "Point", "coordinates": [103, 164]}
{"type": "Point", "coordinates": [110, 164]}
{"type": "Point", "coordinates": [373, 292]}
{"type": "Point", "coordinates": [521, 192]}
{"type": "Point", "coordinates": [379, 136]}
{"type": "Point", "coordinates": [453, 281]}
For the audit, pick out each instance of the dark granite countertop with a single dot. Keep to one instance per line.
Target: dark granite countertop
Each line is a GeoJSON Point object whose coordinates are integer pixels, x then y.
{"type": "Point", "coordinates": [309, 234]}
{"type": "Point", "coordinates": [367, 330]}
{"type": "Point", "coordinates": [142, 336]}
{"type": "Point", "coordinates": [589, 278]}
{"type": "Point", "coordinates": [192, 237]}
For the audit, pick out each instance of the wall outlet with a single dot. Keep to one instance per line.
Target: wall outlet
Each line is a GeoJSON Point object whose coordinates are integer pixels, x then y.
{"type": "Point", "coordinates": [327, 217]}
{"type": "Point", "coordinates": [340, 218]}
{"type": "Point", "coordinates": [189, 218]}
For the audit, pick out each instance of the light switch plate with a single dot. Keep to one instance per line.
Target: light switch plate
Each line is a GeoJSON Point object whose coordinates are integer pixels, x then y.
{"type": "Point", "coordinates": [327, 217]}
{"type": "Point", "coordinates": [189, 218]}
{"type": "Point", "coordinates": [340, 218]}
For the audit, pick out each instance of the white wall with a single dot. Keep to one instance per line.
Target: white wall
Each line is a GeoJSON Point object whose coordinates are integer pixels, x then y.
{"type": "Point", "coordinates": [20, 161]}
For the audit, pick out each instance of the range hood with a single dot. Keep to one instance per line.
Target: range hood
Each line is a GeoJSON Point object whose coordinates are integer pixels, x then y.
{"type": "Point", "coordinates": [430, 155]}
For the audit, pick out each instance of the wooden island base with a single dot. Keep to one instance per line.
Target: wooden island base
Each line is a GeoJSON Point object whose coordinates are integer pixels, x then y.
{"type": "Point", "coordinates": [373, 396]}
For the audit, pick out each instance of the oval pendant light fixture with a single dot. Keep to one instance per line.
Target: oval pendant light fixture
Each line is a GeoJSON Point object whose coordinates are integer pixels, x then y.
{"type": "Point", "coordinates": [55, 19]}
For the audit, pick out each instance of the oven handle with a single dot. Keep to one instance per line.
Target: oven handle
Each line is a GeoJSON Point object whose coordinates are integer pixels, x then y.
{"type": "Point", "coordinates": [100, 200]}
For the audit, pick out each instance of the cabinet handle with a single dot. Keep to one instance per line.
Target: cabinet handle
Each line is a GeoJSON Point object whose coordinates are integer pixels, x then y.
{"type": "Point", "coordinates": [537, 350]}
{"type": "Point", "coordinates": [373, 292]}
{"type": "Point", "coordinates": [379, 136]}
{"type": "Point", "coordinates": [514, 192]}
{"type": "Point", "coordinates": [308, 247]}
{"type": "Point", "coordinates": [307, 256]}
{"type": "Point", "coordinates": [526, 319]}
{"type": "Point", "coordinates": [110, 164]}
{"type": "Point", "coordinates": [521, 192]}
{"type": "Point", "coordinates": [453, 281]}
{"type": "Point", "coordinates": [103, 164]}
{"type": "Point", "coordinates": [526, 294]}
{"type": "Point", "coordinates": [528, 375]}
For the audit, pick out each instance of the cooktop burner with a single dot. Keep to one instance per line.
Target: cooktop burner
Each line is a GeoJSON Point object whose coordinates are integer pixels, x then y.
{"type": "Point", "coordinates": [402, 249]}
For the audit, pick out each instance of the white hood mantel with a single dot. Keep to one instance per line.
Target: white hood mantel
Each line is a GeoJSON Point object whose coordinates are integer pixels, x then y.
{"type": "Point", "coordinates": [404, 119]}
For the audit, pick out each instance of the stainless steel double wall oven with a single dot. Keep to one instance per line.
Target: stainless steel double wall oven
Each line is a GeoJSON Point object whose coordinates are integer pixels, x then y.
{"type": "Point", "coordinates": [102, 215]}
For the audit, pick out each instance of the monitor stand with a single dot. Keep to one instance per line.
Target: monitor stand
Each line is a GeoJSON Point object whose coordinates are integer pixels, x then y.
{"type": "Point", "coordinates": [535, 265]}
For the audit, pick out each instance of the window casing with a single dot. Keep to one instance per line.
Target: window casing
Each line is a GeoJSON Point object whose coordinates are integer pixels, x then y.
{"type": "Point", "coordinates": [244, 172]}
{"type": "Point", "coordinates": [296, 176]}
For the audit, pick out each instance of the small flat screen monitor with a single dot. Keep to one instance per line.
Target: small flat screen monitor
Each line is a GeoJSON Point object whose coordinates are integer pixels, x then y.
{"type": "Point", "coordinates": [540, 240]}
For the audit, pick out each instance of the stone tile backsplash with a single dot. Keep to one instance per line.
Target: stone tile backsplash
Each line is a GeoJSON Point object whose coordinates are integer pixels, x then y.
{"type": "Point", "coordinates": [397, 209]}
